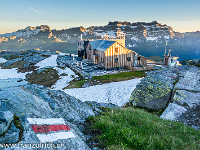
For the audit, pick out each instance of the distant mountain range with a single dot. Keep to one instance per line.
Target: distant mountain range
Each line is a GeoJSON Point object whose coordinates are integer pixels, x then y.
{"type": "Point", "coordinates": [148, 39]}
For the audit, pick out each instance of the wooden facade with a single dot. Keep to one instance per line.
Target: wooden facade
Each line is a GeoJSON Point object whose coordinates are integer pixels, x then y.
{"type": "Point", "coordinates": [115, 55]}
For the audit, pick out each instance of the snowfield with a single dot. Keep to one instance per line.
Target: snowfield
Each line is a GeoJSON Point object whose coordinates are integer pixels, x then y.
{"type": "Point", "coordinates": [117, 93]}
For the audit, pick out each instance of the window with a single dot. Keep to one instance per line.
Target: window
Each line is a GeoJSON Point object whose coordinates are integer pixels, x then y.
{"type": "Point", "coordinates": [116, 50]}
{"type": "Point", "coordinates": [129, 58]}
{"type": "Point", "coordinates": [116, 59]}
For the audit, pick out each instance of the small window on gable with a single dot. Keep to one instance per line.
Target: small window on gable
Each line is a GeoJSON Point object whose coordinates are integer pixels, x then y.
{"type": "Point", "coordinates": [129, 58]}
{"type": "Point", "coordinates": [116, 50]}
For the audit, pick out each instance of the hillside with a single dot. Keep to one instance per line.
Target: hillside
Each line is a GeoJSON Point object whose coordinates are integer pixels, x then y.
{"type": "Point", "coordinates": [148, 39]}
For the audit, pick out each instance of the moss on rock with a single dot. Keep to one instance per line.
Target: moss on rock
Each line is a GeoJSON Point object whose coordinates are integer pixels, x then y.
{"type": "Point", "coordinates": [45, 76]}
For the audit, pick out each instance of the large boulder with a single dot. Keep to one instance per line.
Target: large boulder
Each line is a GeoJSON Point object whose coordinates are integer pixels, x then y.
{"type": "Point", "coordinates": [186, 99]}
{"type": "Point", "coordinates": [155, 90]}
{"type": "Point", "coordinates": [21, 108]}
{"type": "Point", "coordinates": [177, 90]}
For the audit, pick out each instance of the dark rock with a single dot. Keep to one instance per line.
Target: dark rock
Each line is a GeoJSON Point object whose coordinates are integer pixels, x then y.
{"type": "Point", "coordinates": [195, 62]}
{"type": "Point", "coordinates": [10, 62]}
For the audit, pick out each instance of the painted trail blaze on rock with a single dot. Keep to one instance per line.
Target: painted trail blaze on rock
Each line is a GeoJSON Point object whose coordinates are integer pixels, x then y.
{"type": "Point", "coordinates": [50, 130]}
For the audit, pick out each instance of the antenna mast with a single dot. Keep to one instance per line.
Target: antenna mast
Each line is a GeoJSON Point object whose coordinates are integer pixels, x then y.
{"type": "Point", "coordinates": [165, 47]}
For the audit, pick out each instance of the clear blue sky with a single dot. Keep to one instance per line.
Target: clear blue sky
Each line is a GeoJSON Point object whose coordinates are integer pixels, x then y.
{"type": "Point", "coordinates": [182, 15]}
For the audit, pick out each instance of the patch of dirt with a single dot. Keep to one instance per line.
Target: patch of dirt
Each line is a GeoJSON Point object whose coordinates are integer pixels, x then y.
{"type": "Point", "coordinates": [18, 64]}
{"type": "Point", "coordinates": [47, 77]}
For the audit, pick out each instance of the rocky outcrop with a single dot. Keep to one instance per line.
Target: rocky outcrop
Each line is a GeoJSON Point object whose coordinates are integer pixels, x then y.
{"type": "Point", "coordinates": [176, 89]}
{"type": "Point", "coordinates": [17, 104]}
{"type": "Point", "coordinates": [186, 99]}
{"type": "Point", "coordinates": [195, 62]}
{"type": "Point", "coordinates": [155, 90]}
{"type": "Point", "coordinates": [25, 60]}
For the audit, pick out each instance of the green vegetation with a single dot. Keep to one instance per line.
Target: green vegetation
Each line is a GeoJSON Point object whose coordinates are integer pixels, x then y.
{"type": "Point", "coordinates": [120, 76]}
{"type": "Point", "coordinates": [18, 125]}
{"type": "Point", "coordinates": [107, 79]}
{"type": "Point", "coordinates": [47, 77]}
{"type": "Point", "coordinates": [134, 128]}
{"type": "Point", "coordinates": [155, 58]}
{"type": "Point", "coordinates": [76, 84]}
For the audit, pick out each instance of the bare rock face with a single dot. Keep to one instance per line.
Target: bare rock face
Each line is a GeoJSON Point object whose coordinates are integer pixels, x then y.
{"type": "Point", "coordinates": [186, 99]}
{"type": "Point", "coordinates": [20, 105]}
{"type": "Point", "coordinates": [176, 89]}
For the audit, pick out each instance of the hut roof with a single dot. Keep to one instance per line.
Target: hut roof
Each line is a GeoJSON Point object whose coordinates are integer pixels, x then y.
{"type": "Point", "coordinates": [101, 45]}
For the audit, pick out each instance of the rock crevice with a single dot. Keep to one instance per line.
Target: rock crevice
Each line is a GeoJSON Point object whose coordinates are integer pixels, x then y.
{"type": "Point", "coordinates": [178, 92]}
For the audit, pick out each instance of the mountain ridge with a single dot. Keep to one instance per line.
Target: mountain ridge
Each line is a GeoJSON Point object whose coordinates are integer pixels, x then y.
{"type": "Point", "coordinates": [146, 38]}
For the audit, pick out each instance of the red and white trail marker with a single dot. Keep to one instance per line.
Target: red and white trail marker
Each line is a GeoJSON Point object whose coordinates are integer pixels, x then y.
{"type": "Point", "coordinates": [50, 130]}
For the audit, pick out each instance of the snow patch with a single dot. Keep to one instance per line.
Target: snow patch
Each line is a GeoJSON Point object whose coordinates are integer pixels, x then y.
{"type": "Point", "coordinates": [51, 61]}
{"type": "Point", "coordinates": [2, 60]}
{"type": "Point", "coordinates": [151, 38]}
{"type": "Point", "coordinates": [11, 74]}
{"type": "Point", "coordinates": [64, 80]}
{"type": "Point", "coordinates": [116, 92]}
{"type": "Point", "coordinates": [135, 39]}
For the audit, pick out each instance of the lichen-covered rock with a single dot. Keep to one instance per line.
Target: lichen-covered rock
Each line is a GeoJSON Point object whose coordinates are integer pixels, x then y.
{"type": "Point", "coordinates": [179, 87]}
{"type": "Point", "coordinates": [155, 90]}
{"type": "Point", "coordinates": [173, 111]}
